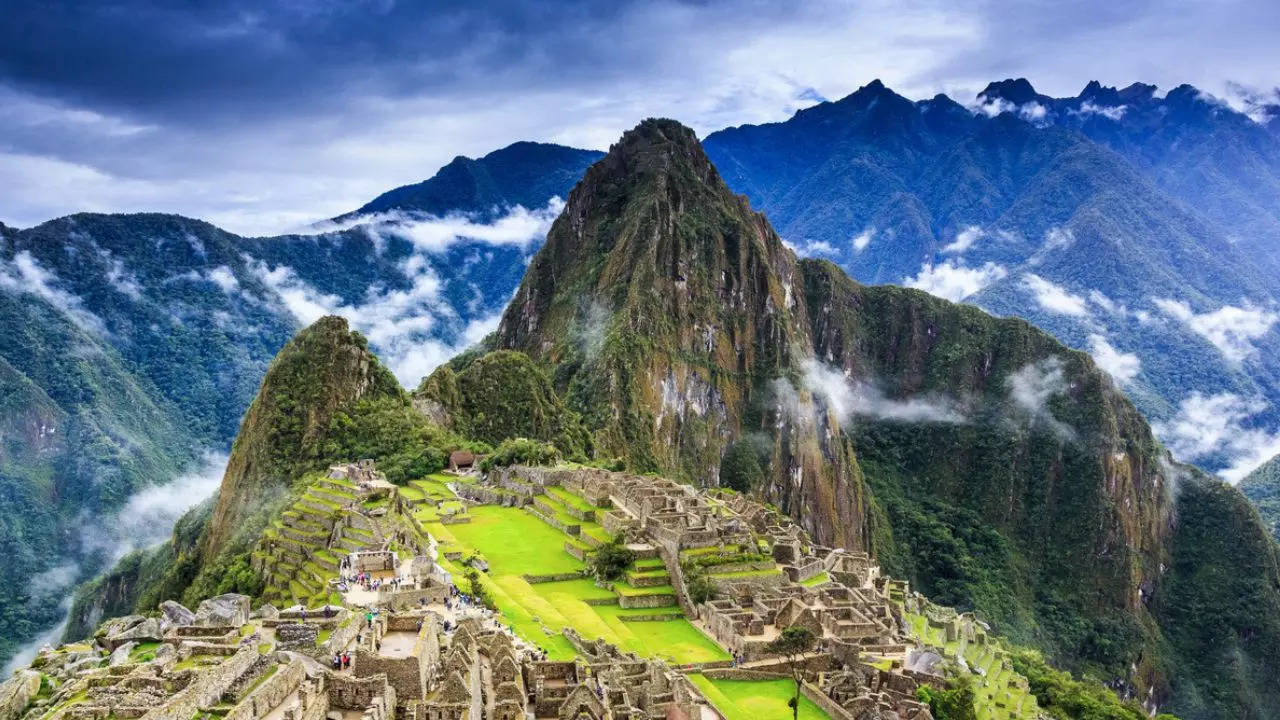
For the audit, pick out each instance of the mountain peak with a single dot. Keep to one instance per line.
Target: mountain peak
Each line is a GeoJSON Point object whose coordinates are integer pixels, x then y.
{"type": "Point", "coordinates": [1100, 94]}
{"type": "Point", "coordinates": [1016, 91]}
{"type": "Point", "coordinates": [324, 368]}
{"type": "Point", "coordinates": [1137, 93]}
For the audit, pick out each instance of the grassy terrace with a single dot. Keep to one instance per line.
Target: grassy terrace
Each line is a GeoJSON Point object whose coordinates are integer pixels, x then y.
{"type": "Point", "coordinates": [994, 685]}
{"type": "Point", "coordinates": [516, 543]}
{"type": "Point", "coordinates": [755, 699]}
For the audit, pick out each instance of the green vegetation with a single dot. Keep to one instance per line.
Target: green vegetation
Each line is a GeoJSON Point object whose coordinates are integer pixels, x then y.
{"type": "Point", "coordinates": [516, 543]}
{"type": "Point", "coordinates": [954, 702]}
{"type": "Point", "coordinates": [755, 699]}
{"type": "Point", "coordinates": [740, 468]}
{"type": "Point", "coordinates": [792, 644]}
{"type": "Point", "coordinates": [521, 451]}
{"type": "Point", "coordinates": [611, 560]}
{"type": "Point", "coordinates": [1262, 487]}
{"type": "Point", "coordinates": [501, 396]}
{"type": "Point", "coordinates": [1064, 698]}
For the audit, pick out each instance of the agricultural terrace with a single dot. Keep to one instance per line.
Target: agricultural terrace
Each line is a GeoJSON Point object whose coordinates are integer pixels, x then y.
{"type": "Point", "coordinates": [530, 581]}
{"type": "Point", "coordinates": [755, 699]}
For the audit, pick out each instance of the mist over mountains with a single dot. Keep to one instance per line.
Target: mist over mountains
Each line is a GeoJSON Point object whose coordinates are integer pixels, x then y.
{"type": "Point", "coordinates": [1143, 229]}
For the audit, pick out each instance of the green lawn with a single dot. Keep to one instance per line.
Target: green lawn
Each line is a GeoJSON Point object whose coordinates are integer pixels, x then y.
{"type": "Point", "coordinates": [755, 699]}
{"type": "Point", "coordinates": [568, 498]}
{"type": "Point", "coordinates": [516, 543]}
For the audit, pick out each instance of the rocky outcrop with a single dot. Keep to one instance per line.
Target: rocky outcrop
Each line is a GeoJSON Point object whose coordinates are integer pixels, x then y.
{"type": "Point", "coordinates": [230, 610]}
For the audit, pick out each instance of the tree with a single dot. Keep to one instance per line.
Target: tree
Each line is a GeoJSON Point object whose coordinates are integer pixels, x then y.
{"type": "Point", "coordinates": [792, 644]}
{"type": "Point", "coordinates": [740, 469]}
{"type": "Point", "coordinates": [611, 560]}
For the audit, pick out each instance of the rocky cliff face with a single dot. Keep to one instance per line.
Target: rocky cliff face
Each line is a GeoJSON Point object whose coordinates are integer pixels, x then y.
{"type": "Point", "coordinates": [669, 310]}
{"type": "Point", "coordinates": [324, 368]}
{"type": "Point", "coordinates": [977, 456]}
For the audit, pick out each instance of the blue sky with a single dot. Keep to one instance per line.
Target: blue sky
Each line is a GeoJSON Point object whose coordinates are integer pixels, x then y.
{"type": "Point", "coordinates": [263, 116]}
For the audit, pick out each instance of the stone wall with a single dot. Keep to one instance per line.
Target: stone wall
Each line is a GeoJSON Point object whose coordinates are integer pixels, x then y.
{"type": "Point", "coordinates": [644, 601]}
{"type": "Point", "coordinates": [206, 689]}
{"type": "Point", "coordinates": [351, 693]}
{"type": "Point", "coordinates": [270, 693]}
{"type": "Point", "coordinates": [824, 702]}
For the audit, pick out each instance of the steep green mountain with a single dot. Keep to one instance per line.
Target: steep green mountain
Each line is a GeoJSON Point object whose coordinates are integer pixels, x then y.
{"type": "Point", "coordinates": [325, 398]}
{"type": "Point", "coordinates": [1262, 487]}
{"type": "Point", "coordinates": [976, 456]}
{"type": "Point", "coordinates": [666, 309]}
{"type": "Point", "coordinates": [322, 370]}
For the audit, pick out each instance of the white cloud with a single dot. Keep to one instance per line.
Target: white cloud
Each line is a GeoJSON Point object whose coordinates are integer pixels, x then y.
{"type": "Point", "coordinates": [1055, 238]}
{"type": "Point", "coordinates": [863, 239]}
{"type": "Point", "coordinates": [1209, 426]}
{"type": "Point", "coordinates": [1054, 298]}
{"type": "Point", "coordinates": [518, 226]}
{"type": "Point", "coordinates": [1229, 328]}
{"type": "Point", "coordinates": [816, 247]}
{"type": "Point", "coordinates": [1099, 298]}
{"type": "Point", "coordinates": [25, 275]}
{"type": "Point", "coordinates": [1033, 385]}
{"type": "Point", "coordinates": [1120, 365]}
{"type": "Point", "coordinates": [145, 520]}
{"type": "Point", "coordinates": [405, 324]}
{"type": "Point", "coordinates": [953, 281]}
{"type": "Point", "coordinates": [848, 398]}
{"type": "Point", "coordinates": [224, 279]}
{"type": "Point", "coordinates": [120, 278]}
{"type": "Point", "coordinates": [1111, 112]}
{"type": "Point", "coordinates": [964, 240]}
{"type": "Point", "coordinates": [1033, 112]}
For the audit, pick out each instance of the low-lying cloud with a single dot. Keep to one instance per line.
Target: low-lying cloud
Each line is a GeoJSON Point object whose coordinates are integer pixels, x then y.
{"type": "Point", "coordinates": [964, 240]}
{"type": "Point", "coordinates": [414, 329]}
{"type": "Point", "coordinates": [863, 239]}
{"type": "Point", "coordinates": [1122, 366]}
{"type": "Point", "coordinates": [146, 520]}
{"type": "Point", "coordinates": [848, 398]}
{"type": "Point", "coordinates": [1216, 428]}
{"type": "Point", "coordinates": [1230, 329]}
{"type": "Point", "coordinates": [952, 280]}
{"type": "Point", "coordinates": [1053, 297]}
{"type": "Point", "coordinates": [1031, 388]}
{"type": "Point", "coordinates": [519, 227]}
{"type": "Point", "coordinates": [26, 275]}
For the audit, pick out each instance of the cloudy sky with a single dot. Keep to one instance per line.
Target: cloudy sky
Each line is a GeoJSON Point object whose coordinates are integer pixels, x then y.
{"type": "Point", "coordinates": [265, 115]}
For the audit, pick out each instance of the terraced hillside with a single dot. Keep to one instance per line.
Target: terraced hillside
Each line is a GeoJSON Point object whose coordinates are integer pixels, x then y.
{"type": "Point", "coordinates": [535, 559]}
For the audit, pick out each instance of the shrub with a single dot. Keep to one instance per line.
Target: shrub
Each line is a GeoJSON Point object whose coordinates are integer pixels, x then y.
{"type": "Point", "coordinates": [521, 451]}
{"type": "Point", "coordinates": [611, 560]}
{"type": "Point", "coordinates": [699, 585]}
{"type": "Point", "coordinates": [954, 702]}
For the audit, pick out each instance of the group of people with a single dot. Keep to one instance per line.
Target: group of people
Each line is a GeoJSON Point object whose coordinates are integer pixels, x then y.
{"type": "Point", "coordinates": [342, 661]}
